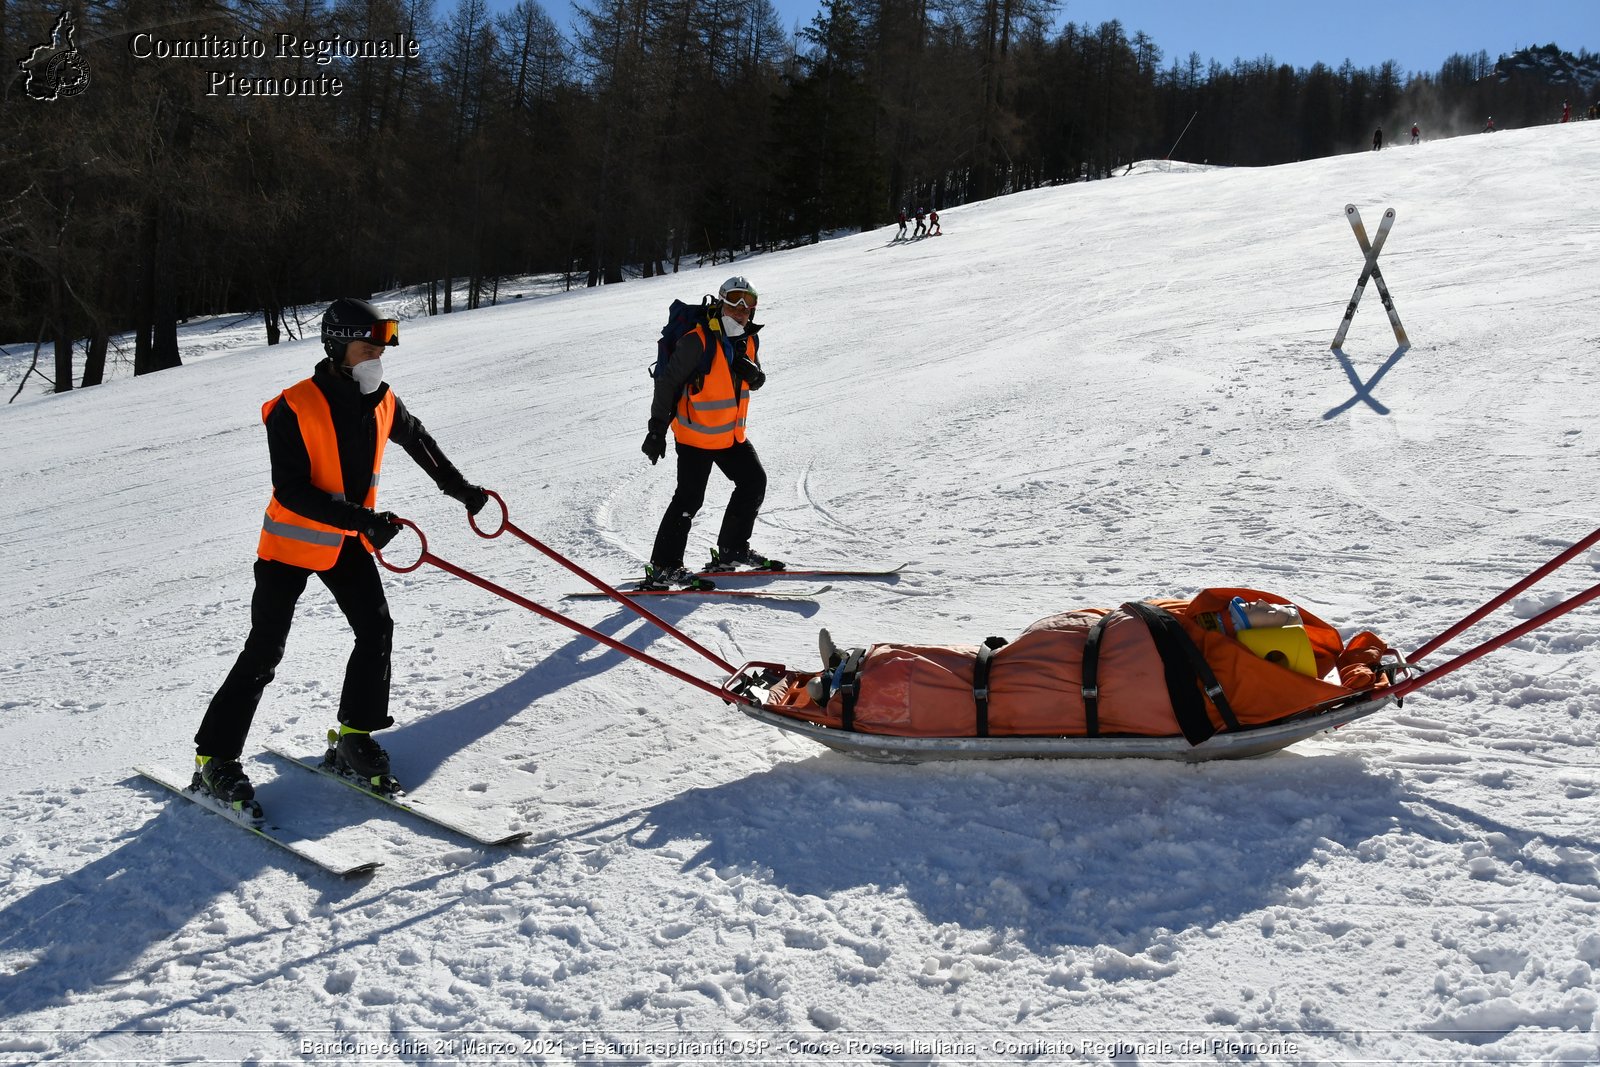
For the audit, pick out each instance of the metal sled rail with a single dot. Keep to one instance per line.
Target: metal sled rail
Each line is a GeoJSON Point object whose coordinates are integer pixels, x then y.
{"type": "Point", "coordinates": [1257, 741]}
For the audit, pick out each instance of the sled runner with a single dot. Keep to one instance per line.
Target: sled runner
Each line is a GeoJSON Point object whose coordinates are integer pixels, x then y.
{"type": "Point", "coordinates": [1257, 741]}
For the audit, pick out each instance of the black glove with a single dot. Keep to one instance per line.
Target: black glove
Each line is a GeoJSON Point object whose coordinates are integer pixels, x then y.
{"type": "Point", "coordinates": [471, 496]}
{"type": "Point", "coordinates": [382, 528]}
{"type": "Point", "coordinates": [750, 374]}
{"type": "Point", "coordinates": [655, 446]}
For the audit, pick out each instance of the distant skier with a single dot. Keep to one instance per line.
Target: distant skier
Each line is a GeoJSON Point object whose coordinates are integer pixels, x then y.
{"type": "Point", "coordinates": [922, 227]}
{"type": "Point", "coordinates": [1416, 133]}
{"type": "Point", "coordinates": [325, 436]}
{"type": "Point", "coordinates": [1566, 111]}
{"type": "Point", "coordinates": [1488, 127]}
{"type": "Point", "coordinates": [901, 235]}
{"type": "Point", "coordinates": [933, 223]}
{"type": "Point", "coordinates": [1377, 138]}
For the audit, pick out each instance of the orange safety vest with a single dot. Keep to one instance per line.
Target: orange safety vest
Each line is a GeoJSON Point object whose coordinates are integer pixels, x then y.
{"type": "Point", "coordinates": [712, 416]}
{"type": "Point", "coordinates": [289, 537]}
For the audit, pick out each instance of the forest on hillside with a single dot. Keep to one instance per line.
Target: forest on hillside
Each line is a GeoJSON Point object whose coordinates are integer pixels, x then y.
{"type": "Point", "coordinates": [257, 154]}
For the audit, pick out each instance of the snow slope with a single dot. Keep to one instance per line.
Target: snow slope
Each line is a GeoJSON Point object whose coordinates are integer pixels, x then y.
{"type": "Point", "coordinates": [1076, 396]}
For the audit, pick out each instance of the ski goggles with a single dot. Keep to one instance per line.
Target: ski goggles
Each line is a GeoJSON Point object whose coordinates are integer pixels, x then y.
{"type": "Point", "coordinates": [385, 332]}
{"type": "Point", "coordinates": [740, 298]}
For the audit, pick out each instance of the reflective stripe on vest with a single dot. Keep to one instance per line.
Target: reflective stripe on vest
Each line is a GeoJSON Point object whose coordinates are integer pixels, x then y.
{"type": "Point", "coordinates": [289, 537]}
{"type": "Point", "coordinates": [713, 417]}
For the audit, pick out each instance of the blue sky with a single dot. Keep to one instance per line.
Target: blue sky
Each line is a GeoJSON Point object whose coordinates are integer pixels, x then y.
{"type": "Point", "coordinates": [1419, 36]}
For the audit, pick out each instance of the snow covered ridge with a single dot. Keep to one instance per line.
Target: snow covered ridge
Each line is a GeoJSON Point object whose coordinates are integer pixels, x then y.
{"type": "Point", "coordinates": [1555, 66]}
{"type": "Point", "coordinates": [1075, 396]}
{"type": "Point", "coordinates": [1165, 166]}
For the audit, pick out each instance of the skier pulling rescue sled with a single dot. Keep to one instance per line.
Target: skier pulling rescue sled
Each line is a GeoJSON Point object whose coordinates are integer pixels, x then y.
{"type": "Point", "coordinates": [1226, 674]}
{"type": "Point", "coordinates": [326, 438]}
{"type": "Point", "coordinates": [1215, 677]}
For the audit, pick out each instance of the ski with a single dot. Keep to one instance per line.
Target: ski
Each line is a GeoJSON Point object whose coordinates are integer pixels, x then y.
{"type": "Point", "coordinates": [1369, 269]}
{"type": "Point", "coordinates": [1377, 275]}
{"type": "Point", "coordinates": [735, 594]}
{"type": "Point", "coordinates": [452, 819]}
{"type": "Point", "coordinates": [334, 861]}
{"type": "Point", "coordinates": [808, 572]}
{"type": "Point", "coordinates": [627, 586]}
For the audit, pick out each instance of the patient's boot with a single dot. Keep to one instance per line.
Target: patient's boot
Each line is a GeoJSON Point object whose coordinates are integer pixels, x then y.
{"type": "Point", "coordinates": [839, 669]}
{"type": "Point", "coordinates": [830, 653]}
{"type": "Point", "coordinates": [821, 687]}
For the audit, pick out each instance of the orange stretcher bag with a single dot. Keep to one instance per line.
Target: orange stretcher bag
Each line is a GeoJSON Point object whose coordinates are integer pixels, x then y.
{"type": "Point", "coordinates": [1157, 669]}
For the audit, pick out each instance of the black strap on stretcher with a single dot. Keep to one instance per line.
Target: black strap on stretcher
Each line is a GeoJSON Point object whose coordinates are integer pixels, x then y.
{"type": "Point", "coordinates": [1187, 673]}
{"type": "Point", "coordinates": [1091, 676]}
{"type": "Point", "coordinates": [980, 681]}
{"type": "Point", "coordinates": [849, 682]}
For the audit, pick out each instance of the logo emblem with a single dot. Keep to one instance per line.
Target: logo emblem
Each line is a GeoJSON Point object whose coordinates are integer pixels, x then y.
{"type": "Point", "coordinates": [56, 70]}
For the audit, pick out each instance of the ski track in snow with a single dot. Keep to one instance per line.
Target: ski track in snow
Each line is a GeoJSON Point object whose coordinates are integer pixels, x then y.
{"type": "Point", "coordinates": [1077, 396]}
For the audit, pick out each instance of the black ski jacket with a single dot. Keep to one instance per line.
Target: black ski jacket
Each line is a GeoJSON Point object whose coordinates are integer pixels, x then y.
{"type": "Point", "coordinates": [356, 427]}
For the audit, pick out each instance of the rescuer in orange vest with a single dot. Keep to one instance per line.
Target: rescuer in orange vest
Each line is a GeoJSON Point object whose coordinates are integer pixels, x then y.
{"type": "Point", "coordinates": [326, 436]}
{"type": "Point", "coordinates": [707, 414]}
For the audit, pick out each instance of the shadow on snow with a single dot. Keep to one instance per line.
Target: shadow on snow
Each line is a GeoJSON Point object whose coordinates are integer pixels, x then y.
{"type": "Point", "coordinates": [1059, 853]}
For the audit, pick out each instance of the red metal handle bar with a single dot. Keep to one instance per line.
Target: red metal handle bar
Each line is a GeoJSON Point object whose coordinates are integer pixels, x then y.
{"type": "Point", "coordinates": [1493, 643]}
{"type": "Point", "coordinates": [554, 616]}
{"type": "Point", "coordinates": [625, 601]}
{"type": "Point", "coordinates": [422, 556]}
{"type": "Point", "coordinates": [1506, 596]}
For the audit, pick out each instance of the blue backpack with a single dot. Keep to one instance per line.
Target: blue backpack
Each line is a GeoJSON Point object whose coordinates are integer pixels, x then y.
{"type": "Point", "coordinates": [681, 318]}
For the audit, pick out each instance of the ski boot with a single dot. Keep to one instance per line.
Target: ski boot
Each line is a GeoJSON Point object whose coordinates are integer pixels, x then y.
{"type": "Point", "coordinates": [831, 656]}
{"type": "Point", "coordinates": [226, 783]}
{"type": "Point", "coordinates": [727, 559]}
{"type": "Point", "coordinates": [839, 669]}
{"type": "Point", "coordinates": [674, 576]}
{"type": "Point", "coordinates": [355, 755]}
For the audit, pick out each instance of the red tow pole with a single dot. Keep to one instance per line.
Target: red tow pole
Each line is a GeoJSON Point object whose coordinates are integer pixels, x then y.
{"type": "Point", "coordinates": [1493, 643]}
{"type": "Point", "coordinates": [506, 525]}
{"type": "Point", "coordinates": [1521, 629]}
{"type": "Point", "coordinates": [1505, 597]}
{"type": "Point", "coordinates": [554, 616]}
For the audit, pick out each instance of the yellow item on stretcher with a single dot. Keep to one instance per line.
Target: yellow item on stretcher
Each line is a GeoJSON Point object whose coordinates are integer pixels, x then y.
{"type": "Point", "coordinates": [1287, 646]}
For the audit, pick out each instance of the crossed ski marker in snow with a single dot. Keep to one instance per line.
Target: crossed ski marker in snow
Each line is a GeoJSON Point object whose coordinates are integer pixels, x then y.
{"type": "Point", "coordinates": [1369, 269]}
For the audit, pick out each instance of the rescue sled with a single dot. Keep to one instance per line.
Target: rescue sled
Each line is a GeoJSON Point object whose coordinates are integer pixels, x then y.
{"type": "Point", "coordinates": [1227, 674]}
{"type": "Point", "coordinates": [1154, 679]}
{"type": "Point", "coordinates": [1058, 709]}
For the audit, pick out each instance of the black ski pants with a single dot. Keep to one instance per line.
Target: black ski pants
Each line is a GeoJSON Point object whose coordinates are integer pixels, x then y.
{"type": "Point", "coordinates": [364, 701]}
{"type": "Point", "coordinates": [743, 467]}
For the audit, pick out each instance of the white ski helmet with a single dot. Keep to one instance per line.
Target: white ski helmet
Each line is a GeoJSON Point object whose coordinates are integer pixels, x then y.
{"type": "Point", "coordinates": [738, 284]}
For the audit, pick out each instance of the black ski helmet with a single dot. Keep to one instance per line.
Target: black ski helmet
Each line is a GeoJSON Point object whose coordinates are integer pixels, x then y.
{"type": "Point", "coordinates": [348, 319]}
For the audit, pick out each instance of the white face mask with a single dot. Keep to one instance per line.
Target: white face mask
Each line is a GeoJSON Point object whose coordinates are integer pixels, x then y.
{"type": "Point", "coordinates": [368, 375]}
{"type": "Point", "coordinates": [732, 326]}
